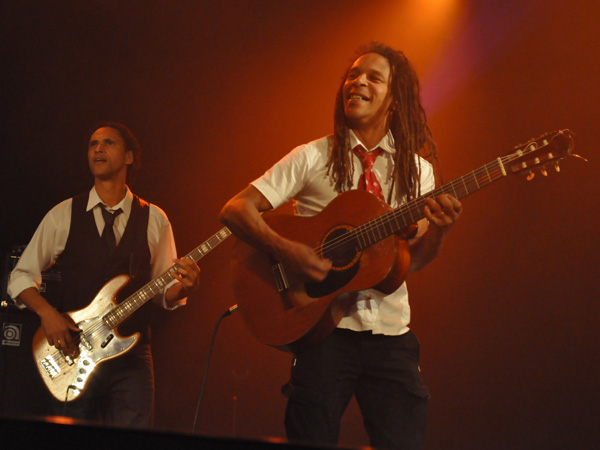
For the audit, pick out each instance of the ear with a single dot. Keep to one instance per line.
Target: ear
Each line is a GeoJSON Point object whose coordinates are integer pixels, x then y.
{"type": "Point", "coordinates": [129, 157]}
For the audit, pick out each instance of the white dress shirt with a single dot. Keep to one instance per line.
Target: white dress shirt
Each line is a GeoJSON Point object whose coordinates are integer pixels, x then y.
{"type": "Point", "coordinates": [50, 239]}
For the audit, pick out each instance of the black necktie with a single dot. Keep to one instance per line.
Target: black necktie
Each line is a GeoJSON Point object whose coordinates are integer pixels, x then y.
{"type": "Point", "coordinates": [108, 235]}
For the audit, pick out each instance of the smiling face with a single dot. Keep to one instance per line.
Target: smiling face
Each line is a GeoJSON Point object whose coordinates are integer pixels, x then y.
{"type": "Point", "coordinates": [366, 92]}
{"type": "Point", "coordinates": [108, 157]}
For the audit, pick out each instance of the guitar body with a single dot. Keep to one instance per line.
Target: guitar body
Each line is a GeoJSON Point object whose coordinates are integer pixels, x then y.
{"type": "Point", "coordinates": [98, 343]}
{"type": "Point", "coordinates": [302, 314]}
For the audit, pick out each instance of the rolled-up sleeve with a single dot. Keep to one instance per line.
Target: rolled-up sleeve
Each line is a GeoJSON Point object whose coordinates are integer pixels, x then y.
{"type": "Point", "coordinates": [47, 243]}
{"type": "Point", "coordinates": [162, 251]}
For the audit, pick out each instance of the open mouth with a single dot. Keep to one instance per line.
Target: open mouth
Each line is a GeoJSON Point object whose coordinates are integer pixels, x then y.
{"type": "Point", "coordinates": [358, 97]}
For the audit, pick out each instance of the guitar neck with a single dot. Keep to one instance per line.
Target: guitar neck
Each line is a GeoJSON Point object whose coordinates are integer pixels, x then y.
{"type": "Point", "coordinates": [131, 304]}
{"type": "Point", "coordinates": [414, 210]}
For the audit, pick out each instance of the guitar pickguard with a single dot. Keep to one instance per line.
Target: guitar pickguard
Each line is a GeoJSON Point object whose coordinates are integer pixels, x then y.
{"type": "Point", "coordinates": [335, 280]}
{"type": "Point", "coordinates": [66, 376]}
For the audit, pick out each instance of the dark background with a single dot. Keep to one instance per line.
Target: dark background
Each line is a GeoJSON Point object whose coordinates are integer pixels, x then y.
{"type": "Point", "coordinates": [218, 91]}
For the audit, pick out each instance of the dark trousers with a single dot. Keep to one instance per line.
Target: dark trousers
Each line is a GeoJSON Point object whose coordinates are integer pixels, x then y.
{"type": "Point", "coordinates": [120, 392]}
{"type": "Point", "coordinates": [381, 371]}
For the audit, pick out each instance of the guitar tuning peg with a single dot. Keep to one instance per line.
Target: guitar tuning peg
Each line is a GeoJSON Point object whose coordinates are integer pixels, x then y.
{"type": "Point", "coordinates": [580, 157]}
{"type": "Point", "coordinates": [544, 172]}
{"type": "Point", "coordinates": [556, 166]}
{"type": "Point", "coordinates": [530, 176]}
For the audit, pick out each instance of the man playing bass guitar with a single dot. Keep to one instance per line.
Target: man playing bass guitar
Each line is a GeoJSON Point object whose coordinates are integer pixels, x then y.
{"type": "Point", "coordinates": [96, 236]}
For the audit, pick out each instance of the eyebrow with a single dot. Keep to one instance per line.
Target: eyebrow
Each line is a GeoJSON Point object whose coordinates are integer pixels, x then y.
{"type": "Point", "coordinates": [369, 71]}
{"type": "Point", "coordinates": [94, 141]}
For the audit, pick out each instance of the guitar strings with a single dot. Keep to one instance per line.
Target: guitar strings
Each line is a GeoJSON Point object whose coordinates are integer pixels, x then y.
{"type": "Point", "coordinates": [371, 227]}
{"type": "Point", "coordinates": [415, 206]}
{"type": "Point", "coordinates": [152, 288]}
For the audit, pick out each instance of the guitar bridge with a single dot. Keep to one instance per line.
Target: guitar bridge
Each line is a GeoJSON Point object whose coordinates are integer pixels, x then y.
{"type": "Point", "coordinates": [84, 343]}
{"type": "Point", "coordinates": [50, 366]}
{"type": "Point", "coordinates": [280, 278]}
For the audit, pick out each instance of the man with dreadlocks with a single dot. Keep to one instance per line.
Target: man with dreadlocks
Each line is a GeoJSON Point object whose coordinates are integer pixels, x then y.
{"type": "Point", "coordinates": [372, 354]}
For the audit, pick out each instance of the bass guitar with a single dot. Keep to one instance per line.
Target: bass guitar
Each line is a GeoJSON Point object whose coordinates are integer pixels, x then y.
{"type": "Point", "coordinates": [66, 376]}
{"type": "Point", "coordinates": [365, 239]}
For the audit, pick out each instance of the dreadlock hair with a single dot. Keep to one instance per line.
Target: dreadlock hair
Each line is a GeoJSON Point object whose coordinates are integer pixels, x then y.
{"type": "Point", "coordinates": [408, 125]}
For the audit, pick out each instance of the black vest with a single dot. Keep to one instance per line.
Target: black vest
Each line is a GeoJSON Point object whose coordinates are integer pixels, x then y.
{"type": "Point", "coordinates": [86, 265]}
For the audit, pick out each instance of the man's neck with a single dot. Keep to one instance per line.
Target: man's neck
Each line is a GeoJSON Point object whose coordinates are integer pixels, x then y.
{"type": "Point", "coordinates": [371, 133]}
{"type": "Point", "coordinates": [370, 137]}
{"type": "Point", "coordinates": [111, 192]}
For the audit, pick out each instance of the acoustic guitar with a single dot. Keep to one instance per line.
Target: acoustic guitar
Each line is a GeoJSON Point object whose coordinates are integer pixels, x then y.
{"type": "Point", "coordinates": [365, 239]}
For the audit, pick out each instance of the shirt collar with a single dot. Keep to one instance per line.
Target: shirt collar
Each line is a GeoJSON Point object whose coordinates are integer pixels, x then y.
{"type": "Point", "coordinates": [125, 204]}
{"type": "Point", "coordinates": [386, 143]}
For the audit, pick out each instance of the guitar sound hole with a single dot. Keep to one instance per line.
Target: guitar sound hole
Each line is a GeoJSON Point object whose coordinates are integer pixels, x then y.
{"type": "Point", "coordinates": [341, 248]}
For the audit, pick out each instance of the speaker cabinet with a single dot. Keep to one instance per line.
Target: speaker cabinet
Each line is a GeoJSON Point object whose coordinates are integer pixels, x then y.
{"type": "Point", "coordinates": [22, 391]}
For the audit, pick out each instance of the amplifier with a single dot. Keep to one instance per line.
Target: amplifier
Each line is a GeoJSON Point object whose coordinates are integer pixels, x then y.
{"type": "Point", "coordinates": [51, 278]}
{"type": "Point", "coordinates": [22, 392]}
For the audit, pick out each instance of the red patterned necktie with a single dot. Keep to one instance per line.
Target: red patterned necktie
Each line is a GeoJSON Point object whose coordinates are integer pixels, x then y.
{"type": "Point", "coordinates": [368, 180]}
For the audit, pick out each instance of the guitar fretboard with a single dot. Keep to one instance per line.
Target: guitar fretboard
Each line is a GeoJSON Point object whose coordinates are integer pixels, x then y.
{"type": "Point", "coordinates": [140, 297]}
{"type": "Point", "coordinates": [413, 211]}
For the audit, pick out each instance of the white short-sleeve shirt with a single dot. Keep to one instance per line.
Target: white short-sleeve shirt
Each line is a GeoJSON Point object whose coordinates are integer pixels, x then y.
{"type": "Point", "coordinates": [301, 175]}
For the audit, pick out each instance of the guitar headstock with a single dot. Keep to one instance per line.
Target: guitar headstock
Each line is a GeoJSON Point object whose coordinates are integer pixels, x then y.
{"type": "Point", "coordinates": [540, 154]}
